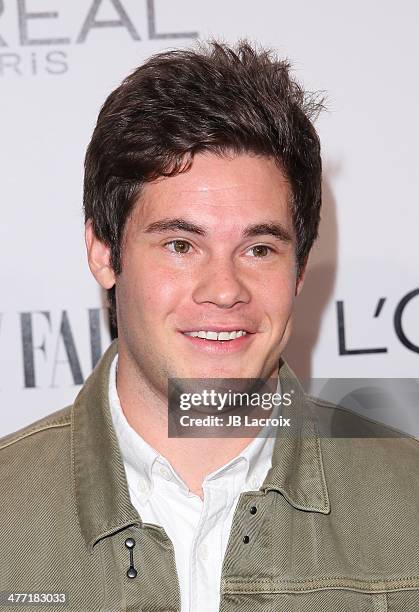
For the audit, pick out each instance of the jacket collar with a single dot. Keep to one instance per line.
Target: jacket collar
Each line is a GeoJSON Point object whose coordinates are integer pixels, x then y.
{"type": "Point", "coordinates": [100, 485]}
{"type": "Point", "coordinates": [297, 466]}
{"type": "Point", "coordinates": [101, 491]}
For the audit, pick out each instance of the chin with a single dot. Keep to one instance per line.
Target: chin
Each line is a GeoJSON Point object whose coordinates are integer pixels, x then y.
{"type": "Point", "coordinates": [222, 372]}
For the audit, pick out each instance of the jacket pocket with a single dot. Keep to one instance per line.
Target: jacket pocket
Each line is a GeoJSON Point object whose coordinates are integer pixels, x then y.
{"type": "Point", "coordinates": [320, 595]}
{"type": "Point", "coordinates": [320, 601]}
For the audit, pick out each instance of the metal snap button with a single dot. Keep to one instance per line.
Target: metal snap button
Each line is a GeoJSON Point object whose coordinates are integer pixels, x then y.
{"type": "Point", "coordinates": [131, 572]}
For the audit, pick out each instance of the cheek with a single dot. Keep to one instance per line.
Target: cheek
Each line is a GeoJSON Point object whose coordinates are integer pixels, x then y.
{"type": "Point", "coordinates": [278, 297]}
{"type": "Point", "coordinates": [149, 291]}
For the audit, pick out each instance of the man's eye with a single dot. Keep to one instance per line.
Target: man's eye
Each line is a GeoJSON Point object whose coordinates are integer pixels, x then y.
{"type": "Point", "coordinates": [261, 250]}
{"type": "Point", "coordinates": [179, 246]}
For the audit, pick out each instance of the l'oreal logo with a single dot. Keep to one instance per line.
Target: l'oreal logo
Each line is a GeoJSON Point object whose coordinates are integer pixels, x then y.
{"type": "Point", "coordinates": [21, 24]}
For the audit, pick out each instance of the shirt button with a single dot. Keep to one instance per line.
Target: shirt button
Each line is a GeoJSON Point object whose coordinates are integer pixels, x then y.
{"type": "Point", "coordinates": [143, 486]}
{"type": "Point", "coordinates": [165, 473]}
{"type": "Point", "coordinates": [254, 483]}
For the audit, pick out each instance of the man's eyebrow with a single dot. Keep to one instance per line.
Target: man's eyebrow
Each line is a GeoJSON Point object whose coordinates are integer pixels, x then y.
{"type": "Point", "coordinates": [272, 229]}
{"type": "Point", "coordinates": [257, 229]}
{"type": "Point", "coordinates": [167, 225]}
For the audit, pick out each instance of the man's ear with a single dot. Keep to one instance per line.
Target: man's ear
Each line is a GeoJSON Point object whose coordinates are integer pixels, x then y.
{"type": "Point", "coordinates": [99, 258]}
{"type": "Point", "coordinates": [300, 280]}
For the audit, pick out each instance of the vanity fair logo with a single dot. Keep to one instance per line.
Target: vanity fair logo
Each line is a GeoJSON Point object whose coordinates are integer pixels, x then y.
{"type": "Point", "coordinates": [36, 36]}
{"type": "Point", "coordinates": [51, 345]}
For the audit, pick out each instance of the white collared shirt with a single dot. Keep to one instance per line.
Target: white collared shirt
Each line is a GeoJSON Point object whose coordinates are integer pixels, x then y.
{"type": "Point", "coordinates": [199, 529]}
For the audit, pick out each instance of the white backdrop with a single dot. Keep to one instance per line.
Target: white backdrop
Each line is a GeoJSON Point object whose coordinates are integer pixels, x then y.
{"type": "Point", "coordinates": [59, 61]}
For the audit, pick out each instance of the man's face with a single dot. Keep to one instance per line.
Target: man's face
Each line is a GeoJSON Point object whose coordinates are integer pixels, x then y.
{"type": "Point", "coordinates": [234, 275]}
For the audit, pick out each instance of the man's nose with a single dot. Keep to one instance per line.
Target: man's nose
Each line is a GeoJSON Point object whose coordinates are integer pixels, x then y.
{"type": "Point", "coordinates": [220, 283]}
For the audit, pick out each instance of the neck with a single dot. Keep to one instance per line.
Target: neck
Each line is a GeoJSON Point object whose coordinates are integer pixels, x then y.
{"type": "Point", "coordinates": [147, 413]}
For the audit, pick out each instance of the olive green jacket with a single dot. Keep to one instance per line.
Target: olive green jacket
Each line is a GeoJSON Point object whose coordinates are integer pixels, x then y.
{"type": "Point", "coordinates": [335, 527]}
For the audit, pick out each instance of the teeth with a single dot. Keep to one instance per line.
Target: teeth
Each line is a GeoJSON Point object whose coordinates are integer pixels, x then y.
{"type": "Point", "coordinates": [224, 336]}
{"type": "Point", "coordinates": [211, 335]}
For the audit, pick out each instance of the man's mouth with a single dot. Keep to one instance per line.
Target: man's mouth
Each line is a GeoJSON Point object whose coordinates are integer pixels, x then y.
{"type": "Point", "coordinates": [220, 340]}
{"type": "Point", "coordinates": [222, 336]}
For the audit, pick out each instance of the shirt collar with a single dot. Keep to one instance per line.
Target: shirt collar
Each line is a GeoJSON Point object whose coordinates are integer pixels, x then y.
{"type": "Point", "coordinates": [135, 451]}
{"type": "Point", "coordinates": [99, 481]}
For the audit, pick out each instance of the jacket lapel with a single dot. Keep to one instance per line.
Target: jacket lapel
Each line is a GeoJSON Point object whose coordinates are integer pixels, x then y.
{"type": "Point", "coordinates": [297, 467]}
{"type": "Point", "coordinates": [101, 491]}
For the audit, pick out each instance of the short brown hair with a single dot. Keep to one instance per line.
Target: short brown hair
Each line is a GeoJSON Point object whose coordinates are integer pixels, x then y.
{"type": "Point", "coordinates": [215, 98]}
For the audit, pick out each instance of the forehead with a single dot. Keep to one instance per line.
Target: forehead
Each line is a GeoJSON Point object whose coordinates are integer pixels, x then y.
{"type": "Point", "coordinates": [218, 189]}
